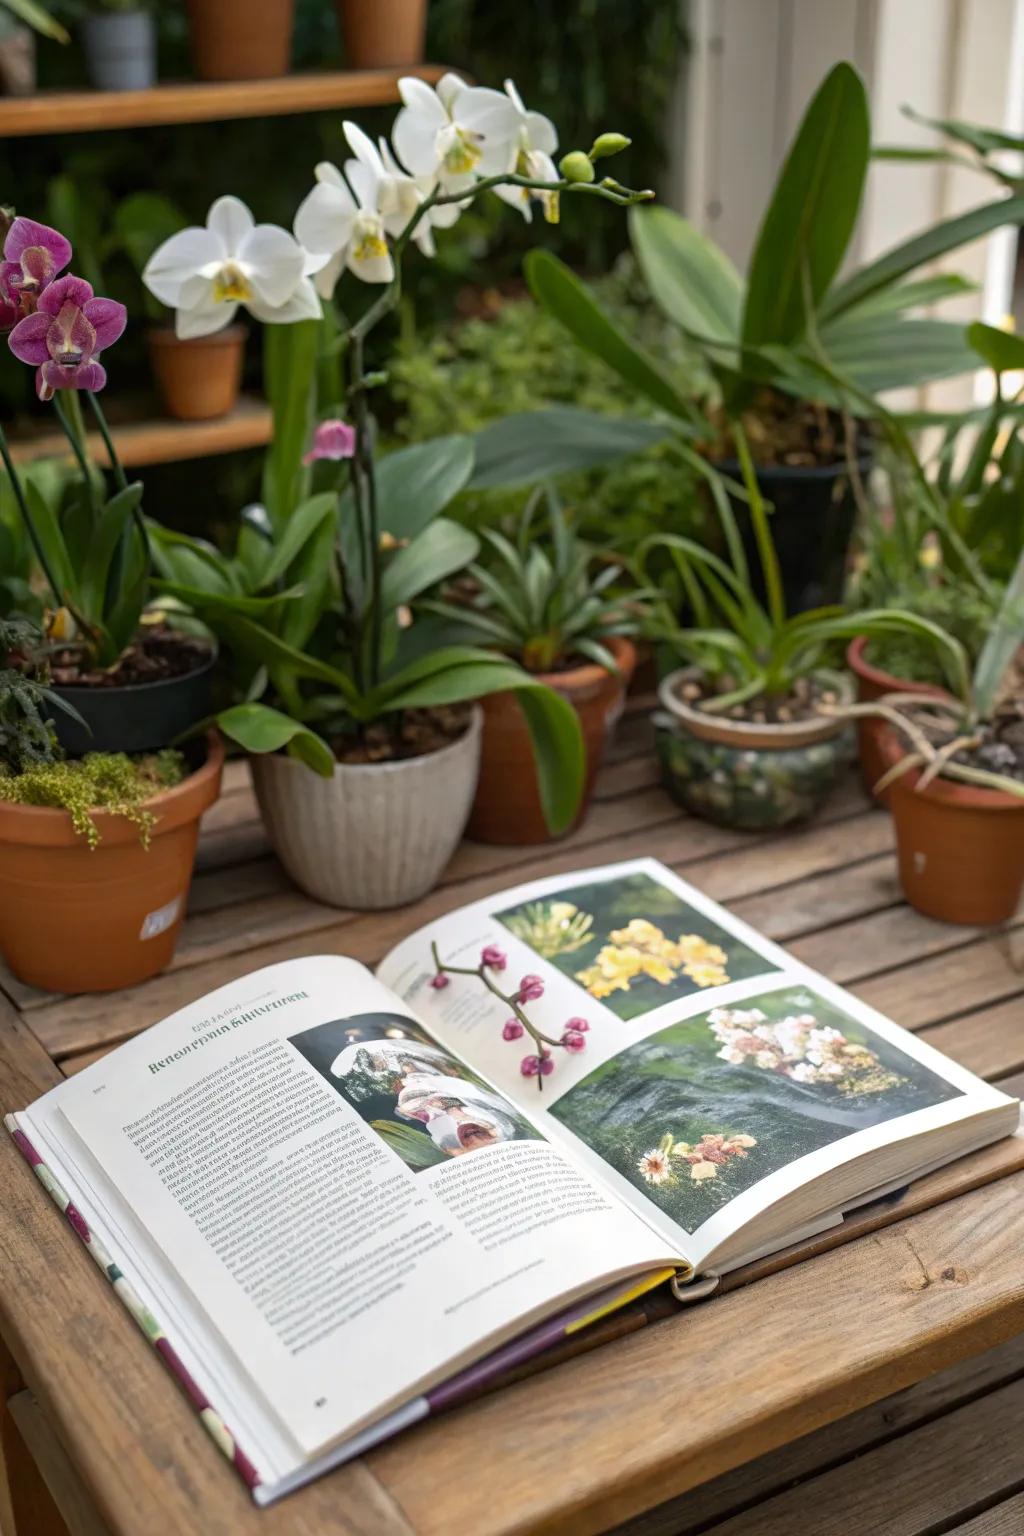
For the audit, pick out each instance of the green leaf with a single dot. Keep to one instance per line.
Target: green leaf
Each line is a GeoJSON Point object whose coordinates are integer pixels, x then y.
{"type": "Point", "coordinates": [415, 484]}
{"type": "Point", "coordinates": [689, 276]}
{"type": "Point", "coordinates": [38, 18]}
{"type": "Point", "coordinates": [883, 352]}
{"type": "Point", "coordinates": [1001, 350]}
{"type": "Point", "coordinates": [537, 445]}
{"type": "Point", "coordinates": [44, 521]}
{"type": "Point", "coordinates": [303, 525]}
{"type": "Point", "coordinates": [105, 540]}
{"type": "Point", "coordinates": [289, 377]}
{"type": "Point", "coordinates": [570, 301]}
{"type": "Point", "coordinates": [261, 645]}
{"type": "Point", "coordinates": [210, 604]}
{"type": "Point", "coordinates": [1004, 641]}
{"type": "Point", "coordinates": [983, 140]}
{"type": "Point", "coordinates": [912, 295]}
{"type": "Point", "coordinates": [177, 557]}
{"type": "Point", "coordinates": [441, 549]}
{"type": "Point", "coordinates": [808, 224]}
{"type": "Point", "coordinates": [257, 728]}
{"type": "Point", "coordinates": [926, 247]}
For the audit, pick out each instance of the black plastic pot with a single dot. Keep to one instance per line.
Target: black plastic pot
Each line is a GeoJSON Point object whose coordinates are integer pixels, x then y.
{"type": "Point", "coordinates": [812, 526]}
{"type": "Point", "coordinates": [139, 717]}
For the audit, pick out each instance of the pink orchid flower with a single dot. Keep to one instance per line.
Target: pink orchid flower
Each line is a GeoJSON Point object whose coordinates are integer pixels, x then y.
{"type": "Point", "coordinates": [333, 439]}
{"type": "Point", "coordinates": [33, 256]}
{"type": "Point", "coordinates": [66, 335]}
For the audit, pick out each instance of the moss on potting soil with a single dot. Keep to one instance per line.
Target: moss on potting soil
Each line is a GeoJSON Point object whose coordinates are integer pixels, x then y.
{"type": "Point", "coordinates": [100, 781]}
{"type": "Point", "coordinates": [964, 613]}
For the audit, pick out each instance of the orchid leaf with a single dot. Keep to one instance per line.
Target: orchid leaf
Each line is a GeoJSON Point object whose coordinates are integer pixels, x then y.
{"type": "Point", "coordinates": [531, 446]}
{"type": "Point", "coordinates": [1004, 640]}
{"type": "Point", "coordinates": [257, 729]}
{"type": "Point", "coordinates": [303, 525]}
{"type": "Point", "coordinates": [443, 548]}
{"type": "Point", "coordinates": [289, 378]}
{"type": "Point", "coordinates": [1003, 351]}
{"type": "Point", "coordinates": [106, 538]}
{"type": "Point", "coordinates": [691, 279]}
{"type": "Point", "coordinates": [414, 484]}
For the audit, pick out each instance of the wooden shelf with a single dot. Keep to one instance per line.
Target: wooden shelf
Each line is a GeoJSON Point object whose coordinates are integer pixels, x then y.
{"type": "Point", "coordinates": [193, 101]}
{"type": "Point", "coordinates": [160, 440]}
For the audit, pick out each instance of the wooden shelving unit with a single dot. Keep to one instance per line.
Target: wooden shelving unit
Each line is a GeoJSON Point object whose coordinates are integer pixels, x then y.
{"type": "Point", "coordinates": [159, 440]}
{"type": "Point", "coordinates": [196, 101]}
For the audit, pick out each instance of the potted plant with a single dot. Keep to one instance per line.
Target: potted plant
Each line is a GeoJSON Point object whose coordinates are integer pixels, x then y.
{"type": "Point", "coordinates": [549, 609]}
{"type": "Point", "coordinates": [750, 731]}
{"type": "Point", "coordinates": [361, 726]}
{"type": "Point", "coordinates": [134, 680]}
{"type": "Point", "coordinates": [198, 377]}
{"type": "Point", "coordinates": [96, 854]}
{"type": "Point", "coordinates": [119, 38]}
{"type": "Point", "coordinates": [232, 40]}
{"type": "Point", "coordinates": [382, 34]}
{"type": "Point", "coordinates": [20, 21]}
{"type": "Point", "coordinates": [762, 339]}
{"type": "Point", "coordinates": [957, 791]}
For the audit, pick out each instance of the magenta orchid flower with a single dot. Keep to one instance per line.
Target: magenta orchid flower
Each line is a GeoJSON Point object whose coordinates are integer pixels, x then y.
{"type": "Point", "coordinates": [66, 335]}
{"type": "Point", "coordinates": [33, 256]}
{"type": "Point", "coordinates": [333, 439]}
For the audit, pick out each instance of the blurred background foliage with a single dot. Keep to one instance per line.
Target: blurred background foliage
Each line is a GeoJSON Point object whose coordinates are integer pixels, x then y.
{"type": "Point", "coordinates": [600, 64]}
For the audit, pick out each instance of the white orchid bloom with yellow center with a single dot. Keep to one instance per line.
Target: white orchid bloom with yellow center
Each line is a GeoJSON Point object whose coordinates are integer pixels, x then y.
{"type": "Point", "coordinates": [204, 274]}
{"type": "Point", "coordinates": [534, 142]}
{"type": "Point", "coordinates": [345, 221]}
{"type": "Point", "coordinates": [455, 133]}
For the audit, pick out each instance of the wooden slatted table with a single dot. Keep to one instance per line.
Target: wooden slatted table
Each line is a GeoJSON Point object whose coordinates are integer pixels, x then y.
{"type": "Point", "coordinates": [713, 1420]}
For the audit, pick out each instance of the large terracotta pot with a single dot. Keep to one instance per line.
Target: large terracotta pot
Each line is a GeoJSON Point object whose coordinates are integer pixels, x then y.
{"type": "Point", "coordinates": [198, 379]}
{"type": "Point", "coordinates": [743, 774]}
{"type": "Point", "coordinates": [381, 34]}
{"type": "Point", "coordinates": [375, 834]}
{"type": "Point", "coordinates": [235, 40]}
{"type": "Point", "coordinates": [960, 847]}
{"type": "Point", "coordinates": [507, 808]}
{"type": "Point", "coordinates": [76, 919]}
{"type": "Point", "coordinates": [874, 683]}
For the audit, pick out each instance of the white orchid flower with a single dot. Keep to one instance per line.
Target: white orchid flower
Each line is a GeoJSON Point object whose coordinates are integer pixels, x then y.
{"type": "Point", "coordinates": [345, 223]}
{"type": "Point", "coordinates": [378, 180]}
{"type": "Point", "coordinates": [454, 133]}
{"type": "Point", "coordinates": [204, 274]}
{"type": "Point", "coordinates": [534, 142]}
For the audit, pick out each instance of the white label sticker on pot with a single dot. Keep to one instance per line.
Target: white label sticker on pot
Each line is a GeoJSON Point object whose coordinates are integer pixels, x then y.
{"type": "Point", "coordinates": [160, 920]}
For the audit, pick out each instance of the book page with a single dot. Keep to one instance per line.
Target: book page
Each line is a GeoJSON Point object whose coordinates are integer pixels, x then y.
{"type": "Point", "coordinates": [719, 1074]}
{"type": "Point", "coordinates": [353, 1209]}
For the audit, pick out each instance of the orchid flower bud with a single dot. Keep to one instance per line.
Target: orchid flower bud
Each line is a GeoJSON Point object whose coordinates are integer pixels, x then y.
{"type": "Point", "coordinates": [576, 166]}
{"type": "Point", "coordinates": [609, 144]}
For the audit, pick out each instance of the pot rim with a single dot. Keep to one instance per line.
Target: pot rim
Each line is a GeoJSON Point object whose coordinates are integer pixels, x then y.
{"type": "Point", "coordinates": [774, 472]}
{"type": "Point", "coordinates": [349, 770]}
{"type": "Point", "coordinates": [137, 688]}
{"type": "Point", "coordinates": [943, 791]}
{"type": "Point", "coordinates": [887, 681]}
{"type": "Point", "coordinates": [589, 673]}
{"type": "Point", "coordinates": [750, 734]}
{"type": "Point", "coordinates": [166, 336]}
{"type": "Point", "coordinates": [46, 825]}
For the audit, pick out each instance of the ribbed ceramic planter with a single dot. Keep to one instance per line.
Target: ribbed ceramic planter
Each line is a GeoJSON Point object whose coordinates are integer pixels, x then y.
{"type": "Point", "coordinates": [375, 834]}
{"type": "Point", "coordinates": [743, 774]}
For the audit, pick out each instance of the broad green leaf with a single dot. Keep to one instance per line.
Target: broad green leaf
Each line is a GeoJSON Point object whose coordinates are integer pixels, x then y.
{"type": "Point", "coordinates": [289, 378]}
{"type": "Point", "coordinates": [259, 644]}
{"type": "Point", "coordinates": [257, 728]}
{"type": "Point", "coordinates": [211, 604]}
{"type": "Point", "coordinates": [885, 352]}
{"type": "Point", "coordinates": [928, 246]}
{"type": "Point", "coordinates": [48, 534]}
{"type": "Point", "coordinates": [912, 295]}
{"type": "Point", "coordinates": [809, 222]}
{"type": "Point", "coordinates": [689, 276]}
{"type": "Point", "coordinates": [303, 525]}
{"type": "Point", "coordinates": [1005, 639]}
{"type": "Point", "coordinates": [537, 445]}
{"type": "Point", "coordinates": [1001, 350]}
{"type": "Point", "coordinates": [177, 557]}
{"type": "Point", "coordinates": [440, 550]}
{"type": "Point", "coordinates": [106, 538]}
{"type": "Point", "coordinates": [558, 290]}
{"type": "Point", "coordinates": [415, 484]}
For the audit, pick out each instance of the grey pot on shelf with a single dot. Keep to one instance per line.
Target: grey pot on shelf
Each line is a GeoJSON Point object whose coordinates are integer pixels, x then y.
{"type": "Point", "coordinates": [17, 57]}
{"type": "Point", "coordinates": [374, 834]}
{"type": "Point", "coordinates": [120, 50]}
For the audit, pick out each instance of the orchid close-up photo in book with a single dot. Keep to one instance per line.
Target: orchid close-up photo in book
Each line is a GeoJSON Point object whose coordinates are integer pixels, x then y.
{"type": "Point", "coordinates": [512, 767]}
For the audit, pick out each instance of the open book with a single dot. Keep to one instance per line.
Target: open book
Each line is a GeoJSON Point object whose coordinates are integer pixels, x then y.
{"type": "Point", "coordinates": [336, 1203]}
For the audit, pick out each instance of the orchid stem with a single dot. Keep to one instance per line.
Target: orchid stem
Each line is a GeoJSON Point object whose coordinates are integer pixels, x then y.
{"type": "Point", "coordinates": [511, 1001]}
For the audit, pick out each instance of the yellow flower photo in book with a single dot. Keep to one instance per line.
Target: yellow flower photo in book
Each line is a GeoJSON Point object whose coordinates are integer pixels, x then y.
{"type": "Point", "coordinates": [423, 1102]}
{"type": "Point", "coordinates": [632, 943]}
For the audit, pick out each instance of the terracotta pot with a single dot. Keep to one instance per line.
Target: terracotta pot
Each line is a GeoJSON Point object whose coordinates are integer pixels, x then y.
{"type": "Point", "coordinates": [380, 34]}
{"type": "Point", "coordinates": [197, 379]}
{"type": "Point", "coordinates": [75, 919]}
{"type": "Point", "coordinates": [375, 834]}
{"type": "Point", "coordinates": [741, 774]}
{"type": "Point", "coordinates": [960, 847]}
{"type": "Point", "coordinates": [507, 808]}
{"type": "Point", "coordinates": [234, 40]}
{"type": "Point", "coordinates": [873, 683]}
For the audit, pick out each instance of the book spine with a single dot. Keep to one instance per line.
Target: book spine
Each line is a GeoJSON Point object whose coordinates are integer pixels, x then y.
{"type": "Point", "coordinates": [149, 1325]}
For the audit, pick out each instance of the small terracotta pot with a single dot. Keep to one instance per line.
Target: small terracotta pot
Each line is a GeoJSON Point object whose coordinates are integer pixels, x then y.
{"type": "Point", "coordinates": [234, 40]}
{"type": "Point", "coordinates": [960, 847]}
{"type": "Point", "coordinates": [874, 683]}
{"type": "Point", "coordinates": [507, 808]}
{"type": "Point", "coordinates": [379, 34]}
{"type": "Point", "coordinates": [76, 919]}
{"type": "Point", "coordinates": [197, 379]}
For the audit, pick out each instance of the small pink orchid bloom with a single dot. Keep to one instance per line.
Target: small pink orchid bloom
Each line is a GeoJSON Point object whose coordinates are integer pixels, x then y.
{"type": "Point", "coordinates": [333, 439]}
{"type": "Point", "coordinates": [494, 958]}
{"type": "Point", "coordinates": [33, 256]}
{"type": "Point", "coordinates": [66, 335]}
{"type": "Point", "coordinates": [439, 981]}
{"type": "Point", "coordinates": [530, 988]}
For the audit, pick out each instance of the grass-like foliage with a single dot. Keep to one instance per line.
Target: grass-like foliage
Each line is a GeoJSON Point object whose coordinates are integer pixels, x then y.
{"type": "Point", "coordinates": [100, 781]}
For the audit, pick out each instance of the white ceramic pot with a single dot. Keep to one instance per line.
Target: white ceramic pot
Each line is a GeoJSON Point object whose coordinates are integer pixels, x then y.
{"type": "Point", "coordinates": [376, 834]}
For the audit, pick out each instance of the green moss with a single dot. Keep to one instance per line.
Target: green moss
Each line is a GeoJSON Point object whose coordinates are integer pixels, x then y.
{"type": "Point", "coordinates": [961, 610]}
{"type": "Point", "coordinates": [100, 781]}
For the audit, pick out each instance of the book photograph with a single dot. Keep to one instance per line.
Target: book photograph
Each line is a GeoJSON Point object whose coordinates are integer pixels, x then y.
{"type": "Point", "coordinates": [631, 943]}
{"type": "Point", "coordinates": [424, 1103]}
{"type": "Point", "coordinates": [697, 1113]}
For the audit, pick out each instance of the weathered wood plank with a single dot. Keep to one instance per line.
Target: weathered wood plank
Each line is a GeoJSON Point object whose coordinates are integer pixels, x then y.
{"type": "Point", "coordinates": [75, 1510]}
{"type": "Point", "coordinates": [969, 976]}
{"type": "Point", "coordinates": [1005, 1519]}
{"type": "Point", "coordinates": [989, 1042]}
{"type": "Point", "coordinates": [889, 940]}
